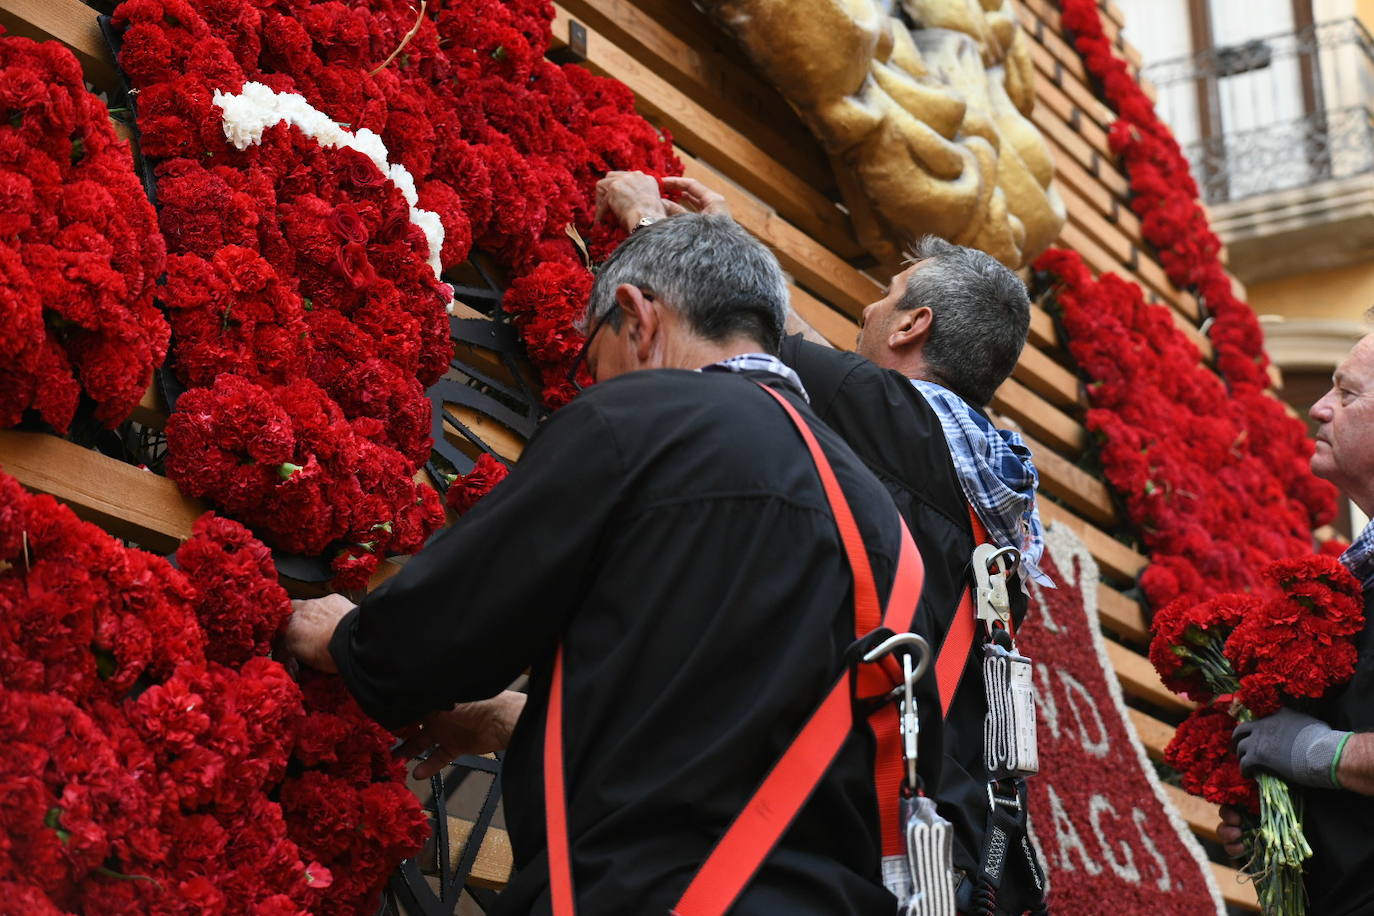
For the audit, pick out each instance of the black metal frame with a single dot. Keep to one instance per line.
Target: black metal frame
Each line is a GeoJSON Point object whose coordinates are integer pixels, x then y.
{"type": "Point", "coordinates": [409, 890]}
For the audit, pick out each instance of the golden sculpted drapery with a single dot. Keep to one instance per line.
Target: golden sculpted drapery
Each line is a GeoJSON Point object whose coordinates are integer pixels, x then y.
{"type": "Point", "coordinates": [927, 126]}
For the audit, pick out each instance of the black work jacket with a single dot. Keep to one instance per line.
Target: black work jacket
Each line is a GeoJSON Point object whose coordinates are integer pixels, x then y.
{"type": "Point", "coordinates": [894, 431]}
{"type": "Point", "coordinates": [669, 529]}
{"type": "Point", "coordinates": [1340, 825]}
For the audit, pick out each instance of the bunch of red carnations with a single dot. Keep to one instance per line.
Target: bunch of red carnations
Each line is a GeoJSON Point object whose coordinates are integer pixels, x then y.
{"type": "Point", "coordinates": [148, 738]}
{"type": "Point", "coordinates": [80, 251]}
{"type": "Point", "coordinates": [1203, 478]}
{"type": "Point", "coordinates": [286, 459]}
{"type": "Point", "coordinates": [466, 489]}
{"type": "Point", "coordinates": [1243, 656]}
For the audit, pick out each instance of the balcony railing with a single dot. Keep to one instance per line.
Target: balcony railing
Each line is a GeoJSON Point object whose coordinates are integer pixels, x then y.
{"type": "Point", "coordinates": [1273, 113]}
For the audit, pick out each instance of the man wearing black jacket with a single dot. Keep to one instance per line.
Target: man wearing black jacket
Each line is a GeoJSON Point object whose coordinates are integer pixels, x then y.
{"type": "Point", "coordinates": [910, 402]}
{"type": "Point", "coordinates": [668, 529]}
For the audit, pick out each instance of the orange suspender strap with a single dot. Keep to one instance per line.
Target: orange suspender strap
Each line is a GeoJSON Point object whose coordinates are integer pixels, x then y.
{"type": "Point", "coordinates": [786, 788]}
{"type": "Point", "coordinates": [555, 802]}
{"type": "Point", "coordinates": [952, 658]}
{"type": "Point", "coordinates": [950, 662]}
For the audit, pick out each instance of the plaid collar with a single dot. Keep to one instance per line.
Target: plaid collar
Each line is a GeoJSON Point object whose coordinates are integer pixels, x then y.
{"type": "Point", "coordinates": [997, 476]}
{"type": "Point", "coordinates": [759, 362]}
{"type": "Point", "coordinates": [1359, 557]}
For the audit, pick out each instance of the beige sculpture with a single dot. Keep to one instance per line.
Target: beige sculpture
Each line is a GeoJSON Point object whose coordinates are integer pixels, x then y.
{"type": "Point", "coordinates": [927, 127]}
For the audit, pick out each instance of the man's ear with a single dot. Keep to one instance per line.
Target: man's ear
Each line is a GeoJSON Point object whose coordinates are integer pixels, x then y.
{"type": "Point", "coordinates": [910, 327]}
{"type": "Point", "coordinates": [641, 319]}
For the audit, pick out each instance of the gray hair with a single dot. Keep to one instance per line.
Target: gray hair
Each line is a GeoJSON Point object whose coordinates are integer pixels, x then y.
{"type": "Point", "coordinates": [721, 279]}
{"type": "Point", "coordinates": [981, 316]}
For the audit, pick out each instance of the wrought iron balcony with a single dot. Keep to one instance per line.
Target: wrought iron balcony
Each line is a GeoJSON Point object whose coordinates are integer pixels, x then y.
{"type": "Point", "coordinates": [1274, 113]}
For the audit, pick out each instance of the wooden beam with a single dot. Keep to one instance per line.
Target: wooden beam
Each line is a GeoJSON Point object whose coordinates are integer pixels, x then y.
{"type": "Point", "coordinates": [830, 324]}
{"type": "Point", "coordinates": [1039, 418]}
{"type": "Point", "coordinates": [1043, 333]}
{"type": "Point", "coordinates": [1199, 814]}
{"type": "Point", "coordinates": [707, 136]}
{"type": "Point", "coordinates": [495, 861]}
{"type": "Point", "coordinates": [71, 22]}
{"type": "Point", "coordinates": [1061, 134]}
{"type": "Point", "coordinates": [1050, 380]}
{"type": "Point", "coordinates": [1154, 735]}
{"type": "Point", "coordinates": [1122, 615]}
{"type": "Point", "coordinates": [1140, 680]}
{"type": "Point", "coordinates": [1119, 563]}
{"type": "Point", "coordinates": [1075, 487]}
{"type": "Point", "coordinates": [680, 45]}
{"type": "Point", "coordinates": [812, 264]}
{"type": "Point", "coordinates": [1237, 888]}
{"type": "Point", "coordinates": [129, 503]}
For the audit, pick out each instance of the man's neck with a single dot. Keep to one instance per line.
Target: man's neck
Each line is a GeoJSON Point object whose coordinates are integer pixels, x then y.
{"type": "Point", "coordinates": [696, 352]}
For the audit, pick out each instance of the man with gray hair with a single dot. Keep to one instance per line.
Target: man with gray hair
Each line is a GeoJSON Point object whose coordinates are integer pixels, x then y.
{"type": "Point", "coordinates": [910, 401]}
{"type": "Point", "coordinates": [666, 543]}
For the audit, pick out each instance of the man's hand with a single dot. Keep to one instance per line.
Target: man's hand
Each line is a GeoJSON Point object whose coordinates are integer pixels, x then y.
{"type": "Point", "coordinates": [1292, 746]}
{"type": "Point", "coordinates": [696, 195]}
{"type": "Point", "coordinates": [468, 728]}
{"type": "Point", "coordinates": [311, 627]}
{"type": "Point", "coordinates": [630, 197]}
{"type": "Point", "coordinates": [1231, 833]}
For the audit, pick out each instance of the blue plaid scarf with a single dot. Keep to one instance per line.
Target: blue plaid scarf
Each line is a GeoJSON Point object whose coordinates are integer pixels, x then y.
{"type": "Point", "coordinates": [1359, 557]}
{"type": "Point", "coordinates": [996, 474]}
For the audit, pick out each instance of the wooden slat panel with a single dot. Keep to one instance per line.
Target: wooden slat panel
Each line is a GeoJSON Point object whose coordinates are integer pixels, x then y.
{"type": "Point", "coordinates": [498, 437]}
{"type": "Point", "coordinates": [1049, 12]}
{"type": "Point", "coordinates": [70, 22]}
{"type": "Point", "coordinates": [811, 263]}
{"type": "Point", "coordinates": [687, 58]}
{"type": "Point", "coordinates": [1058, 130]}
{"type": "Point", "coordinates": [1056, 100]}
{"type": "Point", "coordinates": [1139, 679]}
{"type": "Point", "coordinates": [1037, 417]}
{"type": "Point", "coordinates": [706, 135]}
{"type": "Point", "coordinates": [127, 502]}
{"type": "Point", "coordinates": [1082, 99]}
{"type": "Point", "coordinates": [1109, 243]}
{"type": "Point", "coordinates": [1119, 563]}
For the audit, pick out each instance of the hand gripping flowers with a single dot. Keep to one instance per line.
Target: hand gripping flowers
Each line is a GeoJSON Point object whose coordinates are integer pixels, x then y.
{"type": "Point", "coordinates": [1244, 656]}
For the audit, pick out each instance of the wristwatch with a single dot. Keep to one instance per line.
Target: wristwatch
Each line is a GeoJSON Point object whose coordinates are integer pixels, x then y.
{"type": "Point", "coordinates": [645, 221]}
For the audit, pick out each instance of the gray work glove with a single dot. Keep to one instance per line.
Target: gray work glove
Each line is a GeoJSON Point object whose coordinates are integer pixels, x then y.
{"type": "Point", "coordinates": [1295, 747]}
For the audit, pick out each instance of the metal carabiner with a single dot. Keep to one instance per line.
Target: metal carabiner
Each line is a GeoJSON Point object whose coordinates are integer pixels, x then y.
{"type": "Point", "coordinates": [993, 603]}
{"type": "Point", "coordinates": [909, 723]}
{"type": "Point", "coordinates": [909, 641]}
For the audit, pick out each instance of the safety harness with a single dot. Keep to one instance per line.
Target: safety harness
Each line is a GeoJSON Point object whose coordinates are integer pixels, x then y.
{"type": "Point", "coordinates": [870, 683]}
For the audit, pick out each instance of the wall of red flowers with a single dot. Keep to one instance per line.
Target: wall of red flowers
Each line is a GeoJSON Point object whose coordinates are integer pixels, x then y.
{"type": "Point", "coordinates": [311, 228]}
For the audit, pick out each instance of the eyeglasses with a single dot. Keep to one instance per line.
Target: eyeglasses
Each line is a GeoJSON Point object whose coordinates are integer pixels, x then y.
{"type": "Point", "coordinates": [587, 343]}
